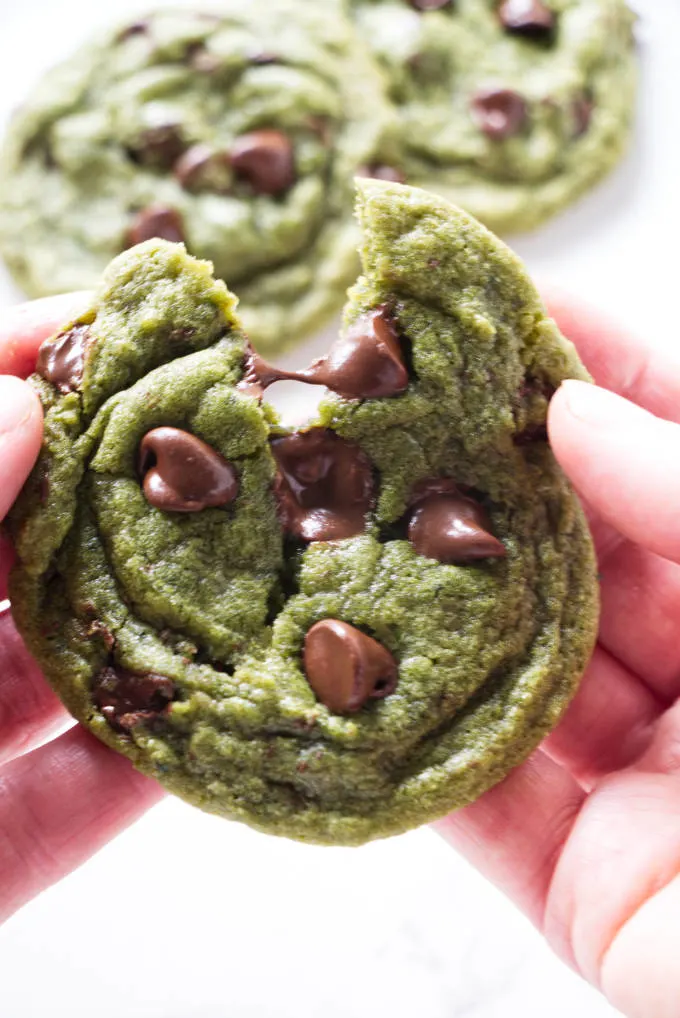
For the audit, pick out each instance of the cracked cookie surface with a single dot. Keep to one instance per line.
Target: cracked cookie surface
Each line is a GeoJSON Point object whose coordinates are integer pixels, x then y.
{"type": "Point", "coordinates": [335, 634]}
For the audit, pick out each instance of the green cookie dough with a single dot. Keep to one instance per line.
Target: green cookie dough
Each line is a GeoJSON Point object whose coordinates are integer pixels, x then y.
{"type": "Point", "coordinates": [214, 606]}
{"type": "Point", "coordinates": [557, 85]}
{"type": "Point", "coordinates": [146, 123]}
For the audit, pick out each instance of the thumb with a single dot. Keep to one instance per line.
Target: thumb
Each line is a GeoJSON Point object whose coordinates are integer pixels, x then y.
{"type": "Point", "coordinates": [20, 437]}
{"type": "Point", "coordinates": [624, 461]}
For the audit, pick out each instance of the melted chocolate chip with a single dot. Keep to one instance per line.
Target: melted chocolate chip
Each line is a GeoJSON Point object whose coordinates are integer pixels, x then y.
{"type": "Point", "coordinates": [61, 361]}
{"type": "Point", "coordinates": [366, 363]}
{"type": "Point", "coordinates": [527, 17]}
{"type": "Point", "coordinates": [449, 527]}
{"type": "Point", "coordinates": [346, 668]}
{"type": "Point", "coordinates": [430, 5]}
{"type": "Point", "coordinates": [202, 168]}
{"type": "Point", "coordinates": [184, 474]}
{"type": "Point", "coordinates": [156, 221]}
{"type": "Point", "coordinates": [381, 171]}
{"type": "Point", "coordinates": [264, 160]}
{"type": "Point", "coordinates": [324, 486]}
{"type": "Point", "coordinates": [500, 113]}
{"type": "Point", "coordinates": [127, 700]}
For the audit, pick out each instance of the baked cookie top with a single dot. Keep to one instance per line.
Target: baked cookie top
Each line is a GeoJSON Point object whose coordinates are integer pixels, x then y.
{"type": "Point", "coordinates": [237, 132]}
{"type": "Point", "coordinates": [510, 108]}
{"type": "Point", "coordinates": [334, 634]}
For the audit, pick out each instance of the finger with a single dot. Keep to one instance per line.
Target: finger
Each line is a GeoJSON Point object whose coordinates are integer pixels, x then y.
{"type": "Point", "coordinates": [20, 437]}
{"type": "Point", "coordinates": [59, 805]}
{"type": "Point", "coordinates": [662, 756]}
{"type": "Point", "coordinates": [29, 709]}
{"type": "Point", "coordinates": [609, 724]}
{"type": "Point", "coordinates": [640, 617]}
{"type": "Point", "coordinates": [514, 833]}
{"type": "Point", "coordinates": [624, 461]}
{"type": "Point", "coordinates": [620, 361]}
{"type": "Point", "coordinates": [25, 327]}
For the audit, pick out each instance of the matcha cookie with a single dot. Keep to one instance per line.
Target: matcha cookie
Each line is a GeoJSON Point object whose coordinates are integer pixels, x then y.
{"type": "Point", "coordinates": [334, 634]}
{"type": "Point", "coordinates": [510, 108]}
{"type": "Point", "coordinates": [237, 133]}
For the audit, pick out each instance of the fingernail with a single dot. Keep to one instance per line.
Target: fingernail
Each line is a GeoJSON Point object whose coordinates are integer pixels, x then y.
{"type": "Point", "coordinates": [590, 404]}
{"type": "Point", "coordinates": [17, 404]}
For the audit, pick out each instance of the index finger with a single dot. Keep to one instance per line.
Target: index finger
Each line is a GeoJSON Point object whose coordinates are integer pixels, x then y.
{"type": "Point", "coordinates": [23, 328]}
{"type": "Point", "coordinates": [619, 360]}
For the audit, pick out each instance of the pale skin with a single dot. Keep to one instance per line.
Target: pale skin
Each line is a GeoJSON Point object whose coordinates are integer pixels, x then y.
{"type": "Point", "coordinates": [585, 836]}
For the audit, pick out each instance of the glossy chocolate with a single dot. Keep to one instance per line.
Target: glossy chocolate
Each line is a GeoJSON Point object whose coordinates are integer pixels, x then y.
{"type": "Point", "coordinates": [184, 474]}
{"type": "Point", "coordinates": [265, 160]}
{"type": "Point", "coordinates": [450, 527]}
{"type": "Point", "coordinates": [61, 361]}
{"type": "Point", "coordinates": [500, 113]}
{"type": "Point", "coordinates": [324, 486]}
{"type": "Point", "coordinates": [345, 668]}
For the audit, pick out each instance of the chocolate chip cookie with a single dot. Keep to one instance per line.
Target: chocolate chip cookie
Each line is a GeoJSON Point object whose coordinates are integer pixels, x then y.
{"type": "Point", "coordinates": [237, 133]}
{"type": "Point", "coordinates": [336, 633]}
{"type": "Point", "coordinates": [510, 108]}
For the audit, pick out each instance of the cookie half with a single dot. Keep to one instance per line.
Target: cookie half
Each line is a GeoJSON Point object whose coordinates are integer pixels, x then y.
{"type": "Point", "coordinates": [238, 133]}
{"type": "Point", "coordinates": [510, 108]}
{"type": "Point", "coordinates": [335, 634]}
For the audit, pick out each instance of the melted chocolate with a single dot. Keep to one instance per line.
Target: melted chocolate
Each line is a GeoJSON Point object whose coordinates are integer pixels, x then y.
{"type": "Point", "coordinates": [184, 474]}
{"type": "Point", "coordinates": [127, 700]}
{"type": "Point", "coordinates": [448, 526]}
{"type": "Point", "coordinates": [61, 361]}
{"type": "Point", "coordinates": [346, 668]}
{"type": "Point", "coordinates": [265, 160]}
{"type": "Point", "coordinates": [324, 487]}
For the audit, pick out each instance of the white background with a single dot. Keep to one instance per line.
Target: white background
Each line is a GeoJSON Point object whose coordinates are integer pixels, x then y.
{"type": "Point", "coordinates": [186, 916]}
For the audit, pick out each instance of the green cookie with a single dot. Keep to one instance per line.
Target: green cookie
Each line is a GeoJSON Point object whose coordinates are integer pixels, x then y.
{"type": "Point", "coordinates": [333, 635]}
{"type": "Point", "coordinates": [510, 108]}
{"type": "Point", "coordinates": [239, 134]}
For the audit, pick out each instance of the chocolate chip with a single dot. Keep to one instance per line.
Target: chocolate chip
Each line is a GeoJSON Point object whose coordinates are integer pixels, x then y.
{"type": "Point", "coordinates": [202, 168]}
{"type": "Point", "coordinates": [500, 113]}
{"type": "Point", "coordinates": [430, 5]}
{"type": "Point", "coordinates": [346, 668]}
{"type": "Point", "coordinates": [381, 171]}
{"type": "Point", "coordinates": [366, 363]}
{"type": "Point", "coordinates": [324, 486]}
{"type": "Point", "coordinates": [265, 161]}
{"type": "Point", "coordinates": [184, 474]}
{"type": "Point", "coordinates": [156, 221]}
{"type": "Point", "coordinates": [527, 17]}
{"type": "Point", "coordinates": [159, 146]}
{"type": "Point", "coordinates": [449, 527]}
{"type": "Point", "coordinates": [583, 112]}
{"type": "Point", "coordinates": [61, 361]}
{"type": "Point", "coordinates": [127, 700]}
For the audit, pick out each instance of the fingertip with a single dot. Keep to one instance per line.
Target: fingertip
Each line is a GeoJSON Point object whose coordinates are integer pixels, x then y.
{"type": "Point", "coordinates": [20, 436]}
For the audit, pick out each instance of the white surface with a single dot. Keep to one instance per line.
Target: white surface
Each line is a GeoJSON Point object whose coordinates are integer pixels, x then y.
{"type": "Point", "coordinates": [186, 916]}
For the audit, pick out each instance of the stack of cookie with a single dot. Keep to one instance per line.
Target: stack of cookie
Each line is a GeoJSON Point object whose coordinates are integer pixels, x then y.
{"type": "Point", "coordinates": [240, 132]}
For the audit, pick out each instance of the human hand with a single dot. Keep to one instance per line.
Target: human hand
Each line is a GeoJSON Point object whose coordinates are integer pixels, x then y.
{"type": "Point", "coordinates": [62, 801]}
{"type": "Point", "coordinates": [585, 836]}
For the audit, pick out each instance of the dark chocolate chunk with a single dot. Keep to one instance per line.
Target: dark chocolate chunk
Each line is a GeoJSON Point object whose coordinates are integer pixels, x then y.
{"type": "Point", "coordinates": [159, 146]}
{"type": "Point", "coordinates": [527, 17]}
{"type": "Point", "coordinates": [447, 526]}
{"type": "Point", "coordinates": [430, 5]}
{"type": "Point", "coordinates": [346, 668]}
{"type": "Point", "coordinates": [324, 487]}
{"type": "Point", "coordinates": [265, 160]}
{"type": "Point", "coordinates": [126, 699]}
{"type": "Point", "coordinates": [61, 361]}
{"type": "Point", "coordinates": [184, 474]}
{"type": "Point", "coordinates": [156, 221]}
{"type": "Point", "coordinates": [381, 171]}
{"type": "Point", "coordinates": [366, 363]}
{"type": "Point", "coordinates": [500, 112]}
{"type": "Point", "coordinates": [202, 168]}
